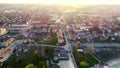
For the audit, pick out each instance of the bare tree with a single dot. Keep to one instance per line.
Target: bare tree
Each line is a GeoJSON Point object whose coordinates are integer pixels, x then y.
{"type": "Point", "coordinates": [90, 49]}
{"type": "Point", "coordinates": [77, 44]}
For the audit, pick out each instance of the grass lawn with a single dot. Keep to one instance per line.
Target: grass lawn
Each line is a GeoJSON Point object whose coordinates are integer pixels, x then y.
{"type": "Point", "coordinates": [30, 57]}
{"type": "Point", "coordinates": [52, 41]}
{"type": "Point", "coordinates": [82, 57]}
{"type": "Point", "coordinates": [106, 55]}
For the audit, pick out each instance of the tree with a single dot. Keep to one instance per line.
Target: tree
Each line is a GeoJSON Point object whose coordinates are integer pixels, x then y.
{"type": "Point", "coordinates": [119, 25]}
{"type": "Point", "coordinates": [54, 66]}
{"type": "Point", "coordinates": [82, 64]}
{"type": "Point", "coordinates": [77, 44]}
{"type": "Point", "coordinates": [30, 66]}
{"type": "Point", "coordinates": [90, 49]}
{"type": "Point", "coordinates": [41, 64]}
{"type": "Point", "coordinates": [38, 56]}
{"type": "Point", "coordinates": [75, 51]}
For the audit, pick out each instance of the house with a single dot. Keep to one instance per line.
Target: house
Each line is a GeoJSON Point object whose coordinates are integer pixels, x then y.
{"type": "Point", "coordinates": [76, 29]}
{"type": "Point", "coordinates": [19, 27]}
{"type": "Point", "coordinates": [2, 31]}
{"type": "Point", "coordinates": [60, 54]}
{"type": "Point", "coordinates": [7, 41]}
{"type": "Point", "coordinates": [39, 24]}
{"type": "Point", "coordinates": [60, 38]}
{"type": "Point", "coordinates": [80, 50]}
{"type": "Point", "coordinates": [39, 21]}
{"type": "Point", "coordinates": [44, 29]}
{"type": "Point", "coordinates": [72, 37]}
{"type": "Point", "coordinates": [5, 53]}
{"type": "Point", "coordinates": [23, 40]}
{"type": "Point", "coordinates": [82, 34]}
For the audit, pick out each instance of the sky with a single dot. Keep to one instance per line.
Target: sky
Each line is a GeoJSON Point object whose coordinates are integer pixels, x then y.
{"type": "Point", "coordinates": [61, 1]}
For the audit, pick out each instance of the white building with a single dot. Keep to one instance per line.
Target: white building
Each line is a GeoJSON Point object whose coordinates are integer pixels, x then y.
{"type": "Point", "coordinates": [19, 27]}
{"type": "Point", "coordinates": [2, 31]}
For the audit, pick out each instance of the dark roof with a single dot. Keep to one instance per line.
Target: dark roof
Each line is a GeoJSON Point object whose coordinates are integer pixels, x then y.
{"type": "Point", "coordinates": [63, 55]}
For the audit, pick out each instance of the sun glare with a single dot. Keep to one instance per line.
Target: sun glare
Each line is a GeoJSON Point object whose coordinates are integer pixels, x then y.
{"type": "Point", "coordinates": [61, 1]}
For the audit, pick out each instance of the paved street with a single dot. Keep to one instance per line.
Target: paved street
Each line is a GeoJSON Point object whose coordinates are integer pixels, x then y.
{"type": "Point", "coordinates": [42, 45]}
{"type": "Point", "coordinates": [67, 64]}
{"type": "Point", "coordinates": [71, 60]}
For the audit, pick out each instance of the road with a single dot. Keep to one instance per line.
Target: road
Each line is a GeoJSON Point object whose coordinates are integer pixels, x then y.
{"type": "Point", "coordinates": [67, 64]}
{"type": "Point", "coordinates": [43, 45]}
{"type": "Point", "coordinates": [68, 46]}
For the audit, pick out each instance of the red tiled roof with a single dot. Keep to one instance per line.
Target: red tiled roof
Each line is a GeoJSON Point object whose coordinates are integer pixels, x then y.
{"type": "Point", "coordinates": [72, 36]}
{"type": "Point", "coordinates": [6, 39]}
{"type": "Point", "coordinates": [5, 52]}
{"type": "Point", "coordinates": [77, 28]}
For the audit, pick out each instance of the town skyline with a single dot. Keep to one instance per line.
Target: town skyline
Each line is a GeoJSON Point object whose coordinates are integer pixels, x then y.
{"type": "Point", "coordinates": [82, 2]}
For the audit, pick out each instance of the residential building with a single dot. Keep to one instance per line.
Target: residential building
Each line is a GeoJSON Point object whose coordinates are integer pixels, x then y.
{"type": "Point", "coordinates": [7, 41]}
{"type": "Point", "coordinates": [60, 38]}
{"type": "Point", "coordinates": [23, 40]}
{"type": "Point", "coordinates": [60, 54]}
{"type": "Point", "coordinates": [2, 31]}
{"type": "Point", "coordinates": [72, 37]}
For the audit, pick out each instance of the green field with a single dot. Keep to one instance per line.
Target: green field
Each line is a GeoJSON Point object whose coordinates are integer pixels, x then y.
{"type": "Point", "coordinates": [31, 57]}
{"type": "Point", "coordinates": [88, 59]}
{"type": "Point", "coordinates": [106, 55]}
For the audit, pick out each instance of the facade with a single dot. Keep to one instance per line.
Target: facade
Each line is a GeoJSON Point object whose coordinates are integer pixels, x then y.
{"type": "Point", "coordinates": [23, 40]}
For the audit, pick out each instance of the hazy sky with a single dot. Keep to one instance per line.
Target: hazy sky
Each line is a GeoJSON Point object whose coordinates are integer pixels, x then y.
{"type": "Point", "coordinates": [62, 1]}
